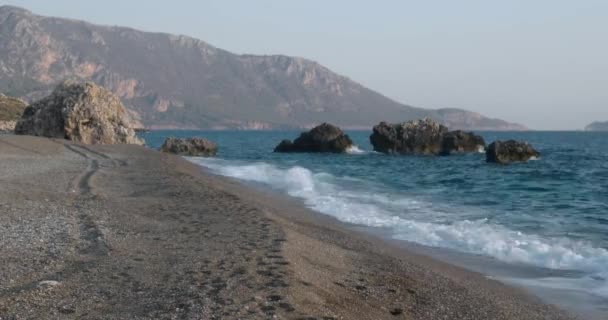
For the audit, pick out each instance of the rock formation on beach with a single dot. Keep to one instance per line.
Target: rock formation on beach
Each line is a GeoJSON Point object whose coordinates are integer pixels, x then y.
{"type": "Point", "coordinates": [11, 110]}
{"type": "Point", "coordinates": [171, 81]}
{"type": "Point", "coordinates": [7, 126]}
{"type": "Point", "coordinates": [193, 147]}
{"type": "Point", "coordinates": [597, 126]}
{"type": "Point", "coordinates": [83, 112]}
{"type": "Point", "coordinates": [461, 142]}
{"type": "Point", "coordinates": [322, 138]}
{"type": "Point", "coordinates": [505, 152]}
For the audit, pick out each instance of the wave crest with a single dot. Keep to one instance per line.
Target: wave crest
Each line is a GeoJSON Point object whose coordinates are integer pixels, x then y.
{"type": "Point", "coordinates": [355, 150]}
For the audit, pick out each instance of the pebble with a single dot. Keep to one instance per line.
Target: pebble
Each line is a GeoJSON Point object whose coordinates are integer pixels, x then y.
{"type": "Point", "coordinates": [48, 283]}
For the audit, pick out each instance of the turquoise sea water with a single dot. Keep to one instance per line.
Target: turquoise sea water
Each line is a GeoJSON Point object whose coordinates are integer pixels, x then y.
{"type": "Point", "coordinates": [551, 213]}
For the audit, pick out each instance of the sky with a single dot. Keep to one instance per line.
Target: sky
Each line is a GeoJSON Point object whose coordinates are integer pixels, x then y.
{"type": "Point", "coordinates": [543, 63]}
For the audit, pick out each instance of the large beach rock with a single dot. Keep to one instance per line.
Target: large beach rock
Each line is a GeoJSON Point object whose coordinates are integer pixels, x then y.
{"type": "Point", "coordinates": [461, 142]}
{"type": "Point", "coordinates": [11, 110]}
{"type": "Point", "coordinates": [194, 147]}
{"type": "Point", "coordinates": [82, 112]}
{"type": "Point", "coordinates": [413, 137]}
{"type": "Point", "coordinates": [323, 138]}
{"type": "Point", "coordinates": [7, 126]}
{"type": "Point", "coordinates": [505, 152]}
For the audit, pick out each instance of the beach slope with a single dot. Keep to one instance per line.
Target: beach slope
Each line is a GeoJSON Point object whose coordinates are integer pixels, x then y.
{"type": "Point", "coordinates": [125, 232]}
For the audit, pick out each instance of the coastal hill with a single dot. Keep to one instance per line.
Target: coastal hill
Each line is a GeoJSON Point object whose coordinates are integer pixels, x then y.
{"type": "Point", "coordinates": [597, 126]}
{"type": "Point", "coordinates": [174, 81]}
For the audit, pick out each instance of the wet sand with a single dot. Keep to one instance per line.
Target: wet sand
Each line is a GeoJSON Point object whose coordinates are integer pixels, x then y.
{"type": "Point", "coordinates": [124, 232]}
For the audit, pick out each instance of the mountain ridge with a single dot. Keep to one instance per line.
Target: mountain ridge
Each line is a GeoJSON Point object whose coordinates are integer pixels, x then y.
{"type": "Point", "coordinates": [177, 81]}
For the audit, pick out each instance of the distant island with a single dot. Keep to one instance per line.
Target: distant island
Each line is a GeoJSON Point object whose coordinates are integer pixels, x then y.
{"type": "Point", "coordinates": [169, 81]}
{"type": "Point", "coordinates": [597, 126]}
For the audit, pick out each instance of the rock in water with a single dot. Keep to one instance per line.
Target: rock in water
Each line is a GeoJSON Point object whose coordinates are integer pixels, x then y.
{"type": "Point", "coordinates": [505, 152]}
{"type": "Point", "coordinates": [461, 142]}
{"type": "Point", "coordinates": [285, 146]}
{"type": "Point", "coordinates": [82, 112]}
{"type": "Point", "coordinates": [413, 137]}
{"type": "Point", "coordinates": [194, 147]}
{"type": "Point", "coordinates": [322, 138]}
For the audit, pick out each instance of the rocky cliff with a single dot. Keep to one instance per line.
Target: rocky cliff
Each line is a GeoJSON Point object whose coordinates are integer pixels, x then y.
{"type": "Point", "coordinates": [177, 81]}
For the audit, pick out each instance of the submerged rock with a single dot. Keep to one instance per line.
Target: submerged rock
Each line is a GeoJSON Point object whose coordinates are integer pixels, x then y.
{"type": "Point", "coordinates": [83, 112]}
{"type": "Point", "coordinates": [462, 142]}
{"type": "Point", "coordinates": [194, 147]}
{"type": "Point", "coordinates": [322, 138]}
{"type": "Point", "coordinates": [413, 137]}
{"type": "Point", "coordinates": [505, 152]}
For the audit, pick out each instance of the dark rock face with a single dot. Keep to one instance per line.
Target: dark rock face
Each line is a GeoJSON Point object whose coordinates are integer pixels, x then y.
{"type": "Point", "coordinates": [82, 112]}
{"type": "Point", "coordinates": [412, 137]}
{"type": "Point", "coordinates": [461, 142]}
{"type": "Point", "coordinates": [284, 146]}
{"type": "Point", "coordinates": [323, 138]}
{"type": "Point", "coordinates": [194, 147]}
{"type": "Point", "coordinates": [505, 152]}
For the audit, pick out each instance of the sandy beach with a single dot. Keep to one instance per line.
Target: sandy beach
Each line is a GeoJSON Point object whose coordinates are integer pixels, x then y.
{"type": "Point", "coordinates": [125, 232]}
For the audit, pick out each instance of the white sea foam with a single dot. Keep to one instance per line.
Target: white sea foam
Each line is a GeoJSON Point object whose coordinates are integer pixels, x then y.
{"type": "Point", "coordinates": [330, 195]}
{"type": "Point", "coordinates": [355, 150]}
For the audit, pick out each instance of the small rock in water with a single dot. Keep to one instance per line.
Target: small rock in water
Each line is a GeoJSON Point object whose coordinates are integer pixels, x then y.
{"type": "Point", "coordinates": [194, 147]}
{"type": "Point", "coordinates": [413, 137]}
{"type": "Point", "coordinates": [423, 137]}
{"type": "Point", "coordinates": [461, 142]}
{"type": "Point", "coordinates": [323, 138]}
{"type": "Point", "coordinates": [505, 152]}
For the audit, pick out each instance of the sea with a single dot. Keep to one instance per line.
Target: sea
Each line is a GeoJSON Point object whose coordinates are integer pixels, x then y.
{"type": "Point", "coordinates": [542, 225]}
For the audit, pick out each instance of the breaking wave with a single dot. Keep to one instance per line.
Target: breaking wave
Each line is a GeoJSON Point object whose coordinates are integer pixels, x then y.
{"type": "Point", "coordinates": [333, 196]}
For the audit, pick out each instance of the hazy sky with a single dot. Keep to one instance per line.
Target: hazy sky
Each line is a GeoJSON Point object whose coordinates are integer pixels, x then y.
{"type": "Point", "coordinates": [543, 63]}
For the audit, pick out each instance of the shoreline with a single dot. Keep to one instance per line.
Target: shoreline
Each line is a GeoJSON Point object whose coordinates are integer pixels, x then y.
{"type": "Point", "coordinates": [524, 277]}
{"type": "Point", "coordinates": [519, 277]}
{"type": "Point", "coordinates": [123, 232]}
{"type": "Point", "coordinates": [555, 287]}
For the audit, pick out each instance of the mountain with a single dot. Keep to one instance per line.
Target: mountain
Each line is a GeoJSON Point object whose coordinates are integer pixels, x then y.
{"type": "Point", "coordinates": [170, 81]}
{"type": "Point", "coordinates": [597, 126]}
